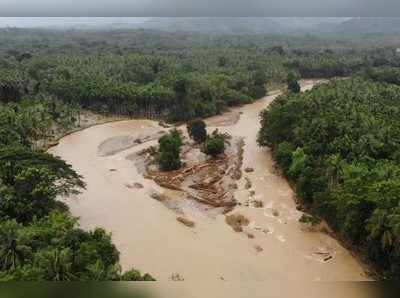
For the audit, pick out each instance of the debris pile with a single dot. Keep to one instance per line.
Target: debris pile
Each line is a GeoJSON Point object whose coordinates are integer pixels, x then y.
{"type": "Point", "coordinates": [210, 182]}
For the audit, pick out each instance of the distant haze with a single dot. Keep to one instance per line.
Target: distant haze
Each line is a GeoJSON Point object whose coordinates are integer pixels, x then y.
{"type": "Point", "coordinates": [66, 22]}
{"type": "Point", "coordinates": [226, 25]}
{"type": "Point", "coordinates": [207, 25]}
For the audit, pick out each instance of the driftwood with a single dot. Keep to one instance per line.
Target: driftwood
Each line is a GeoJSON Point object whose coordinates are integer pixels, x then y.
{"type": "Point", "coordinates": [185, 222]}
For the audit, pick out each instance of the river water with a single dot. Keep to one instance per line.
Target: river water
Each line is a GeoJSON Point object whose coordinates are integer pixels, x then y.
{"type": "Point", "coordinates": [150, 238]}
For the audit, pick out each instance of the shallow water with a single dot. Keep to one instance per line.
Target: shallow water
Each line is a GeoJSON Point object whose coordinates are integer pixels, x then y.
{"type": "Point", "coordinates": [150, 238]}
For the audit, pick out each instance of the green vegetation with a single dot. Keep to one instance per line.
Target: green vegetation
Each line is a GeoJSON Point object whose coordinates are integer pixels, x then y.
{"type": "Point", "coordinates": [197, 130]}
{"type": "Point", "coordinates": [292, 83]}
{"type": "Point", "coordinates": [214, 144]}
{"type": "Point", "coordinates": [30, 181]}
{"type": "Point", "coordinates": [340, 144]}
{"type": "Point", "coordinates": [390, 75]}
{"type": "Point", "coordinates": [309, 220]}
{"type": "Point", "coordinates": [169, 151]}
{"type": "Point", "coordinates": [176, 76]}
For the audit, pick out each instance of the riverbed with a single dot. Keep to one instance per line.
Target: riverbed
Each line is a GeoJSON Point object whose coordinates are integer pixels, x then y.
{"type": "Point", "coordinates": [151, 239]}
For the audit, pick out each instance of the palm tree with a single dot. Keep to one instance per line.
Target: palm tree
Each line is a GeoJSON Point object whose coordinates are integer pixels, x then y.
{"type": "Point", "coordinates": [12, 252]}
{"type": "Point", "coordinates": [58, 265]}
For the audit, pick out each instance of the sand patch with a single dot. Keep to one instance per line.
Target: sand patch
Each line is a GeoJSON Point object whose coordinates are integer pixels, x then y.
{"type": "Point", "coordinates": [117, 144]}
{"type": "Point", "coordinates": [227, 119]}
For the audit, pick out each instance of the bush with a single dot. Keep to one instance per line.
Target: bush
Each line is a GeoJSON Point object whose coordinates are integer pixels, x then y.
{"type": "Point", "coordinates": [169, 151]}
{"type": "Point", "coordinates": [214, 144]}
{"type": "Point", "coordinates": [293, 85]}
{"type": "Point", "coordinates": [197, 130]}
{"type": "Point", "coordinates": [298, 163]}
{"type": "Point", "coordinates": [283, 155]}
{"type": "Point", "coordinates": [135, 275]}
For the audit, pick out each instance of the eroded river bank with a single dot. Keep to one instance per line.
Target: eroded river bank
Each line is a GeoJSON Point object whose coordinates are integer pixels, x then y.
{"type": "Point", "coordinates": [119, 198]}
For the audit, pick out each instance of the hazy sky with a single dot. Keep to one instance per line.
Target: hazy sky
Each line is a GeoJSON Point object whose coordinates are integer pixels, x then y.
{"type": "Point", "coordinates": [340, 8]}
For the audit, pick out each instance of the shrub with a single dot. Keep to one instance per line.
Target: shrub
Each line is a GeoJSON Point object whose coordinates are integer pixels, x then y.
{"type": "Point", "coordinates": [283, 155]}
{"type": "Point", "coordinates": [214, 144]}
{"type": "Point", "coordinates": [298, 163]}
{"type": "Point", "coordinates": [293, 85]}
{"type": "Point", "coordinates": [197, 130]}
{"type": "Point", "coordinates": [169, 151]}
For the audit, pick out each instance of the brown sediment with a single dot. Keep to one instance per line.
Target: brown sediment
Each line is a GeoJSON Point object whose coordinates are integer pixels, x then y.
{"type": "Point", "coordinates": [236, 170]}
{"type": "Point", "coordinates": [227, 119]}
{"type": "Point", "coordinates": [185, 221]}
{"type": "Point", "coordinates": [158, 196]}
{"type": "Point", "coordinates": [176, 277]}
{"type": "Point", "coordinates": [117, 144]}
{"type": "Point", "coordinates": [248, 183]}
{"type": "Point", "coordinates": [258, 248]}
{"type": "Point", "coordinates": [257, 204]}
{"type": "Point", "coordinates": [249, 170]}
{"type": "Point", "coordinates": [250, 235]}
{"type": "Point", "coordinates": [237, 222]}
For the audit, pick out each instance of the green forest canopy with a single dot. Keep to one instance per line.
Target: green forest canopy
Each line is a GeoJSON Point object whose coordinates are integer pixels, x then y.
{"type": "Point", "coordinates": [135, 72]}
{"type": "Point", "coordinates": [340, 144]}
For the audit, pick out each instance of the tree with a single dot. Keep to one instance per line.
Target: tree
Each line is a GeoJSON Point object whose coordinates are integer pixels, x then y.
{"type": "Point", "coordinates": [298, 163]}
{"type": "Point", "coordinates": [30, 182]}
{"type": "Point", "coordinates": [197, 130]}
{"type": "Point", "coordinates": [292, 82]}
{"type": "Point", "coordinates": [55, 249]}
{"type": "Point", "coordinates": [283, 155]}
{"type": "Point", "coordinates": [214, 144]}
{"type": "Point", "coordinates": [13, 251]}
{"type": "Point", "coordinates": [169, 151]}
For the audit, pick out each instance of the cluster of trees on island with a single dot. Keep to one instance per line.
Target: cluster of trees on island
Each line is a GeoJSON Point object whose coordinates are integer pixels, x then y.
{"type": "Point", "coordinates": [340, 145]}
{"type": "Point", "coordinates": [169, 150]}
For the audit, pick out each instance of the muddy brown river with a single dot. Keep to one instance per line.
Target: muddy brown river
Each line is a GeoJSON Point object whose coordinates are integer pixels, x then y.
{"type": "Point", "coordinates": [151, 239]}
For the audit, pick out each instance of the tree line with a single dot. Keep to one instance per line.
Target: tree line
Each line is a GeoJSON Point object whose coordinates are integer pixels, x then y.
{"type": "Point", "coordinates": [138, 72]}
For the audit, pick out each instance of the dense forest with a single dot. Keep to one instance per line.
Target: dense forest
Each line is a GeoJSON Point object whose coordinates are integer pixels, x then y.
{"type": "Point", "coordinates": [177, 76]}
{"type": "Point", "coordinates": [340, 144]}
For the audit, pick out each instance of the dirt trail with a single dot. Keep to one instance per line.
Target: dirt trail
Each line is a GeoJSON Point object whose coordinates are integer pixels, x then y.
{"type": "Point", "coordinates": [150, 238]}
